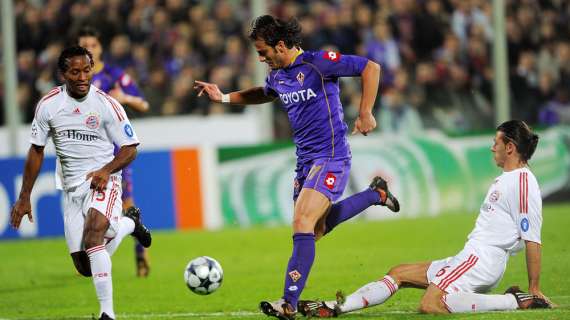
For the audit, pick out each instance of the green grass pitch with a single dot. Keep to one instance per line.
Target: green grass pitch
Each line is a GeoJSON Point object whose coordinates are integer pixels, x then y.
{"type": "Point", "coordinates": [37, 279]}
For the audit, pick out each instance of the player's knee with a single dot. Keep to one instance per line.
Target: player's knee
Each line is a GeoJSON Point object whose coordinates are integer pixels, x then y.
{"type": "Point", "coordinates": [93, 238]}
{"type": "Point", "coordinates": [395, 272]}
{"type": "Point", "coordinates": [303, 223]}
{"type": "Point", "coordinates": [427, 307]}
{"type": "Point", "coordinates": [431, 306]}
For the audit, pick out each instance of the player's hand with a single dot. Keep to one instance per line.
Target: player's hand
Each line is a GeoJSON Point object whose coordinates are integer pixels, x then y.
{"type": "Point", "coordinates": [99, 179]}
{"type": "Point", "coordinates": [21, 208]}
{"type": "Point", "coordinates": [118, 94]}
{"type": "Point", "coordinates": [538, 293]}
{"type": "Point", "coordinates": [364, 124]}
{"type": "Point", "coordinates": [210, 89]}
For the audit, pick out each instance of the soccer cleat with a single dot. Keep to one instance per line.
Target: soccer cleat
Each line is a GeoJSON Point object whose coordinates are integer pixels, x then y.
{"type": "Point", "coordinates": [317, 309]}
{"type": "Point", "coordinates": [279, 309]}
{"type": "Point", "coordinates": [104, 316]}
{"type": "Point", "coordinates": [141, 233]}
{"type": "Point", "coordinates": [321, 309]}
{"type": "Point", "coordinates": [387, 198]}
{"type": "Point", "coordinates": [527, 300]}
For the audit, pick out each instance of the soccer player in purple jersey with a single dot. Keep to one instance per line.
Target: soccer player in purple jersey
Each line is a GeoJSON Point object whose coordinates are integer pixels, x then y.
{"type": "Point", "coordinates": [307, 83]}
{"type": "Point", "coordinates": [118, 84]}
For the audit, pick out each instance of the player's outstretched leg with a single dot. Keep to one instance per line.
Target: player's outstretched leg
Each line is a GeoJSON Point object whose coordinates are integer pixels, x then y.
{"type": "Point", "coordinates": [376, 194]}
{"type": "Point", "coordinates": [141, 233]}
{"type": "Point", "coordinates": [527, 300]}
{"type": "Point", "coordinates": [371, 294]}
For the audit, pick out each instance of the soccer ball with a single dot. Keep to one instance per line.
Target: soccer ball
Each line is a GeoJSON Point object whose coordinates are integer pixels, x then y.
{"type": "Point", "coordinates": [203, 275]}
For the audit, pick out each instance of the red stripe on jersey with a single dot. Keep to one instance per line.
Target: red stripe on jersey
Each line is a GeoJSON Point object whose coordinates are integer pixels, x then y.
{"type": "Point", "coordinates": [526, 192]}
{"type": "Point", "coordinates": [115, 107]}
{"type": "Point", "coordinates": [521, 209]}
{"type": "Point", "coordinates": [458, 272]}
{"type": "Point", "coordinates": [52, 93]}
{"type": "Point", "coordinates": [523, 192]}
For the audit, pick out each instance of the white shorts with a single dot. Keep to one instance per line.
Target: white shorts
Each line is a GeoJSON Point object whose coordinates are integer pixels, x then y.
{"type": "Point", "coordinates": [477, 268]}
{"type": "Point", "coordinates": [78, 200]}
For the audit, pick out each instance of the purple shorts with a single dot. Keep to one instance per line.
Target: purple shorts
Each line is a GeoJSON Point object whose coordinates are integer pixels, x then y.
{"type": "Point", "coordinates": [327, 176]}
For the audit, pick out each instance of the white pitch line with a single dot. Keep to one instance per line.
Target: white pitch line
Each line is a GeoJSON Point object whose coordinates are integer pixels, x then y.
{"type": "Point", "coordinates": [562, 308]}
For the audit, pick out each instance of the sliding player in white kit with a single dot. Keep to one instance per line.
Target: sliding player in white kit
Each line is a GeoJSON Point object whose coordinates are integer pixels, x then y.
{"type": "Point", "coordinates": [510, 218]}
{"type": "Point", "coordinates": [83, 123]}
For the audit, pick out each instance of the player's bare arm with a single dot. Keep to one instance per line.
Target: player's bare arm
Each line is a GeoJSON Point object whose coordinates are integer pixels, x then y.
{"type": "Point", "coordinates": [99, 178]}
{"type": "Point", "coordinates": [533, 265]}
{"type": "Point", "coordinates": [136, 103]}
{"type": "Point", "coordinates": [365, 122]}
{"type": "Point", "coordinates": [32, 167]}
{"type": "Point", "coordinates": [255, 95]}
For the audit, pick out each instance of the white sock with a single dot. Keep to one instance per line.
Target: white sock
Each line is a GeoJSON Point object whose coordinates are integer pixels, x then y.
{"type": "Point", "coordinates": [101, 270]}
{"type": "Point", "coordinates": [126, 227]}
{"type": "Point", "coordinates": [370, 295]}
{"type": "Point", "coordinates": [476, 302]}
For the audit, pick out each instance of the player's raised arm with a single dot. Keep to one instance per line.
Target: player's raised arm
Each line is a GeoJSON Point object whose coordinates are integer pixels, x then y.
{"type": "Point", "coordinates": [255, 95]}
{"type": "Point", "coordinates": [365, 122]}
{"type": "Point", "coordinates": [32, 168]}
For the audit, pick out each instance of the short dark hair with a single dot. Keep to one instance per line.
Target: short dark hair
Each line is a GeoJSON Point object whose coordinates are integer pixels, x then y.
{"type": "Point", "coordinates": [273, 30]}
{"type": "Point", "coordinates": [521, 135]}
{"type": "Point", "coordinates": [88, 31]}
{"type": "Point", "coordinates": [71, 52]}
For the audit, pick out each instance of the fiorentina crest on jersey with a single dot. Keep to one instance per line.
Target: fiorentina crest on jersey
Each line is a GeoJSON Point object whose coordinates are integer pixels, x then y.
{"type": "Point", "coordinates": [92, 121]}
{"type": "Point", "coordinates": [300, 78]}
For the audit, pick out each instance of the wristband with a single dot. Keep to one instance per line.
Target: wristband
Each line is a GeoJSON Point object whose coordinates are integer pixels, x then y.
{"type": "Point", "coordinates": [225, 98]}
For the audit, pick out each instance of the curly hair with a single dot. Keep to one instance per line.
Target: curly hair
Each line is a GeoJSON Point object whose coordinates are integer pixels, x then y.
{"type": "Point", "coordinates": [273, 30]}
{"type": "Point", "coordinates": [70, 52]}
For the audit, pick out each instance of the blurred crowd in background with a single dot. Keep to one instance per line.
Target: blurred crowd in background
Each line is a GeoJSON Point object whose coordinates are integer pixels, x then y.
{"type": "Point", "coordinates": [436, 54]}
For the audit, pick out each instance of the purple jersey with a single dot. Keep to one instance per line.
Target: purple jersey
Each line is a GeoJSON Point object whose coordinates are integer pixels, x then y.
{"type": "Point", "coordinates": [110, 76]}
{"type": "Point", "coordinates": [309, 91]}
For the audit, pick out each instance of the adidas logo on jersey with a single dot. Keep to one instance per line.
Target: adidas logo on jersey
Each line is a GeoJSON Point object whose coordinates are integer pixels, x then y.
{"type": "Point", "coordinates": [76, 111]}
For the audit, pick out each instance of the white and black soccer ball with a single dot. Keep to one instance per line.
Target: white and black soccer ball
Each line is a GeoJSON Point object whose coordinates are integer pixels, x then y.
{"type": "Point", "coordinates": [203, 275]}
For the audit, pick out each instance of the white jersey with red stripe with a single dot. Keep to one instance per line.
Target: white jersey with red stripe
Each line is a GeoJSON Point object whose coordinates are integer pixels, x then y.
{"type": "Point", "coordinates": [83, 132]}
{"type": "Point", "coordinates": [511, 212]}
